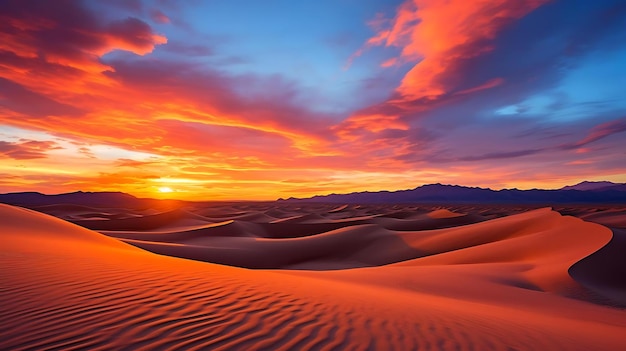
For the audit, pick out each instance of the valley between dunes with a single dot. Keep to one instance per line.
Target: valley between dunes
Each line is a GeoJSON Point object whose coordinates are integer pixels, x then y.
{"type": "Point", "coordinates": [312, 277]}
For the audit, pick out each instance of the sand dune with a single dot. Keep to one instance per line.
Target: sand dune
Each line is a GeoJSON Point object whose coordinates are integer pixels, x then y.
{"type": "Point", "coordinates": [501, 284]}
{"type": "Point", "coordinates": [308, 241]}
{"type": "Point", "coordinates": [350, 247]}
{"type": "Point", "coordinates": [80, 212]}
{"type": "Point", "coordinates": [21, 227]}
{"type": "Point", "coordinates": [177, 218]}
{"type": "Point", "coordinates": [611, 218]}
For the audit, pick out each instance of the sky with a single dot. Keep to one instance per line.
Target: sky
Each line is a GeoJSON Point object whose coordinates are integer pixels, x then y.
{"type": "Point", "coordinates": [259, 100]}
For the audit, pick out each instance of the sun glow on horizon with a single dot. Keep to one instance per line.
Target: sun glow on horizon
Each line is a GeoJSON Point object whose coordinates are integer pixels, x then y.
{"type": "Point", "coordinates": [165, 189]}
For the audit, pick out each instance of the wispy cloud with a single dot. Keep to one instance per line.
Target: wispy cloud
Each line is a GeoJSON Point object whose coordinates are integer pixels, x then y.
{"type": "Point", "coordinates": [27, 149]}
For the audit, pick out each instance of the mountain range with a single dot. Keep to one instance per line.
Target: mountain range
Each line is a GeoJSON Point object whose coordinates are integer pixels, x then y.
{"type": "Point", "coordinates": [581, 193]}
{"type": "Point", "coordinates": [585, 192]}
{"type": "Point", "coordinates": [91, 199]}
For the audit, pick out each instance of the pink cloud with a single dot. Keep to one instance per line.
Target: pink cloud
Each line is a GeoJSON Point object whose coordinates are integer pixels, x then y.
{"type": "Point", "coordinates": [70, 35]}
{"type": "Point", "coordinates": [602, 131]}
{"type": "Point", "coordinates": [27, 149]}
{"type": "Point", "coordinates": [159, 17]}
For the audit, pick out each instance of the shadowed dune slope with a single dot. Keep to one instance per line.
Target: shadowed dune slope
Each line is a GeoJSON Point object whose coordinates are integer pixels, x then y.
{"type": "Point", "coordinates": [68, 288]}
{"type": "Point", "coordinates": [347, 247]}
{"type": "Point", "coordinates": [604, 271]}
{"type": "Point", "coordinates": [174, 218]}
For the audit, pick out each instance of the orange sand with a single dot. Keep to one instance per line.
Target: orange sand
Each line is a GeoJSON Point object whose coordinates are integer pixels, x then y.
{"type": "Point", "coordinates": [415, 282]}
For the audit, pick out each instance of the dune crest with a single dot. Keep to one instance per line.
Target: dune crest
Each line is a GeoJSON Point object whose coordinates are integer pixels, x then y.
{"type": "Point", "coordinates": [443, 213]}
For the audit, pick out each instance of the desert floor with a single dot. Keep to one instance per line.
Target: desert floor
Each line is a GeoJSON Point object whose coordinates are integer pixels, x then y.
{"type": "Point", "coordinates": [279, 276]}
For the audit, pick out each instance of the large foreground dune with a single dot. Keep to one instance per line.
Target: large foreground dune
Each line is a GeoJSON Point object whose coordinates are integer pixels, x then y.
{"type": "Point", "coordinates": [341, 278]}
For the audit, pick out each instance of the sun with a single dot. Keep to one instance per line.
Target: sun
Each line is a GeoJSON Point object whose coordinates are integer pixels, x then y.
{"type": "Point", "coordinates": [165, 189]}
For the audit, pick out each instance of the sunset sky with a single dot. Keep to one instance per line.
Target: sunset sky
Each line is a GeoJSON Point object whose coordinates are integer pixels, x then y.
{"type": "Point", "coordinates": [258, 100]}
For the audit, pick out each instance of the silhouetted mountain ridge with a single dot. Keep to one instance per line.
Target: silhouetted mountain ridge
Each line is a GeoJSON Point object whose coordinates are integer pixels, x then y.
{"type": "Point", "coordinates": [587, 185]}
{"type": "Point", "coordinates": [440, 193]}
{"type": "Point", "coordinates": [91, 199]}
{"type": "Point", "coordinates": [597, 192]}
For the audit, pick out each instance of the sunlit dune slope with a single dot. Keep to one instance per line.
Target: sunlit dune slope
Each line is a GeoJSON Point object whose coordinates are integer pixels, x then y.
{"type": "Point", "coordinates": [26, 230]}
{"type": "Point", "coordinates": [65, 287]}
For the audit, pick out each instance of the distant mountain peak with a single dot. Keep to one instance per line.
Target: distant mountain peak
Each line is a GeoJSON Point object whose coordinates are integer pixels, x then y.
{"type": "Point", "coordinates": [590, 185]}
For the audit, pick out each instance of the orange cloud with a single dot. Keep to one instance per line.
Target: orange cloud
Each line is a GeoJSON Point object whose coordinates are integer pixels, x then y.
{"type": "Point", "coordinates": [438, 34]}
{"type": "Point", "coordinates": [372, 123]}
